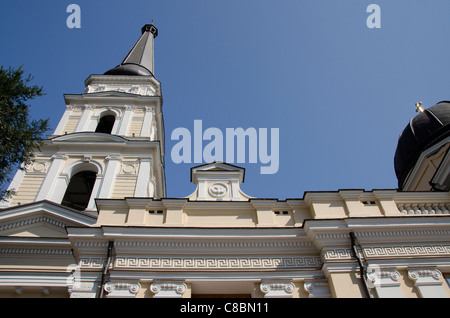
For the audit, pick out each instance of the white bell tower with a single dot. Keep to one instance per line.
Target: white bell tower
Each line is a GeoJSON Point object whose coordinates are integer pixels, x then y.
{"type": "Point", "coordinates": [109, 142]}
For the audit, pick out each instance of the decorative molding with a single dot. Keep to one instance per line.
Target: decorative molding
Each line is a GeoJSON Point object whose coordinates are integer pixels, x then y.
{"type": "Point", "coordinates": [218, 190]}
{"type": "Point", "coordinates": [422, 250]}
{"type": "Point", "coordinates": [91, 244]}
{"type": "Point", "coordinates": [34, 220]}
{"type": "Point", "coordinates": [217, 263]}
{"type": "Point", "coordinates": [122, 289]}
{"type": "Point", "coordinates": [424, 208]}
{"type": "Point", "coordinates": [39, 166]}
{"type": "Point", "coordinates": [331, 236]}
{"type": "Point", "coordinates": [403, 233]}
{"type": "Point", "coordinates": [215, 245]}
{"type": "Point", "coordinates": [144, 90]}
{"type": "Point", "coordinates": [45, 251]}
{"type": "Point", "coordinates": [375, 274]}
{"type": "Point", "coordinates": [169, 290]}
{"type": "Point", "coordinates": [407, 250]}
{"type": "Point", "coordinates": [419, 274]}
{"type": "Point", "coordinates": [317, 289]}
{"type": "Point", "coordinates": [92, 262]}
{"type": "Point", "coordinates": [339, 254]}
{"type": "Point", "coordinates": [277, 289]}
{"type": "Point", "coordinates": [129, 167]}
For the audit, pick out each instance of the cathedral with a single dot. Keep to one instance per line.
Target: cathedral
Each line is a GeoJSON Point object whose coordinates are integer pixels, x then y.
{"type": "Point", "coordinates": [90, 217]}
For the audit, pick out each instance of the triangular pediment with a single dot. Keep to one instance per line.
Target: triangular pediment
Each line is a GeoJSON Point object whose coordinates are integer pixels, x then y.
{"type": "Point", "coordinates": [217, 167]}
{"type": "Point", "coordinates": [41, 219]}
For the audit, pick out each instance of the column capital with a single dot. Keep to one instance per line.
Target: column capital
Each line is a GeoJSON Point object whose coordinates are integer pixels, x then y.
{"type": "Point", "coordinates": [168, 290]}
{"type": "Point", "coordinates": [122, 290]}
{"type": "Point", "coordinates": [277, 289]}
{"type": "Point", "coordinates": [425, 276]}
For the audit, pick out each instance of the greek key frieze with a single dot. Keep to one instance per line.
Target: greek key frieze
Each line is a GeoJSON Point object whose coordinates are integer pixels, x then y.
{"type": "Point", "coordinates": [212, 263]}
{"type": "Point", "coordinates": [337, 254]}
{"type": "Point", "coordinates": [400, 251]}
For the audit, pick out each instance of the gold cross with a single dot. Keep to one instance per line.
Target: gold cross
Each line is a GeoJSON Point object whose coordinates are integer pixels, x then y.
{"type": "Point", "coordinates": [419, 107]}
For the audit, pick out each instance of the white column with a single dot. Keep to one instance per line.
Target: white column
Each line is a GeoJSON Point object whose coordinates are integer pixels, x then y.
{"type": "Point", "coordinates": [385, 282]}
{"type": "Point", "coordinates": [147, 124]}
{"type": "Point", "coordinates": [51, 178]}
{"type": "Point", "coordinates": [63, 121]}
{"type": "Point", "coordinates": [143, 178]}
{"type": "Point", "coordinates": [85, 117]}
{"type": "Point", "coordinates": [428, 283]}
{"type": "Point", "coordinates": [109, 176]}
{"type": "Point", "coordinates": [126, 120]}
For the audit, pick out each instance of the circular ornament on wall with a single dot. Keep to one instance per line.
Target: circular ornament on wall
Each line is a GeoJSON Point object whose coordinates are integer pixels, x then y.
{"type": "Point", "coordinates": [218, 190]}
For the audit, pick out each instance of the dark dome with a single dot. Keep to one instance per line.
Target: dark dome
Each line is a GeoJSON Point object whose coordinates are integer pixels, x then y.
{"type": "Point", "coordinates": [129, 69]}
{"type": "Point", "coordinates": [423, 131]}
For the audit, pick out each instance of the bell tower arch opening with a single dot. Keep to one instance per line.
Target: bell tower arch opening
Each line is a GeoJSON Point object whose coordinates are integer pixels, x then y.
{"type": "Point", "coordinates": [81, 184]}
{"type": "Point", "coordinates": [106, 122]}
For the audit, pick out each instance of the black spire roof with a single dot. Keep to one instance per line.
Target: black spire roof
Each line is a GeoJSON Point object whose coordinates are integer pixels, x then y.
{"type": "Point", "coordinates": [139, 61]}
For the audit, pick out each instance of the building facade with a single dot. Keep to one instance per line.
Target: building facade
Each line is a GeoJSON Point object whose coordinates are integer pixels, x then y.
{"type": "Point", "coordinates": [90, 216]}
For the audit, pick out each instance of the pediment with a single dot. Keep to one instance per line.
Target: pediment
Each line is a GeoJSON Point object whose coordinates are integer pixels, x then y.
{"type": "Point", "coordinates": [34, 227]}
{"type": "Point", "coordinates": [217, 167]}
{"type": "Point", "coordinates": [41, 219]}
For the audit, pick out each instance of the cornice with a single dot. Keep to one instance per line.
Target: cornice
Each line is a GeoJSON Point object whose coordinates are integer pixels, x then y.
{"type": "Point", "coordinates": [110, 98]}
{"type": "Point", "coordinates": [121, 79]}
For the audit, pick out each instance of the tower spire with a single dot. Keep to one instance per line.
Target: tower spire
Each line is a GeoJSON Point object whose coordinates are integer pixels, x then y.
{"type": "Point", "coordinates": [140, 59]}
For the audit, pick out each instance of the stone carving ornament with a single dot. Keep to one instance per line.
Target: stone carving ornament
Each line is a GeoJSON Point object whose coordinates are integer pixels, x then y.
{"type": "Point", "coordinates": [218, 190]}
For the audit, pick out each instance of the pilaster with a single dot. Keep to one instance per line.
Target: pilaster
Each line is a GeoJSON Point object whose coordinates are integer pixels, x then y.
{"type": "Point", "coordinates": [264, 213]}
{"type": "Point", "coordinates": [428, 283]}
{"type": "Point", "coordinates": [51, 177]}
{"type": "Point", "coordinates": [385, 282]}
{"type": "Point", "coordinates": [143, 179]}
{"type": "Point", "coordinates": [109, 176]}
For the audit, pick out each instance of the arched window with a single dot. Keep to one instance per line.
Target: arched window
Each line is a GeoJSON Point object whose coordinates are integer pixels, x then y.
{"type": "Point", "coordinates": [106, 123]}
{"type": "Point", "coordinates": [79, 190]}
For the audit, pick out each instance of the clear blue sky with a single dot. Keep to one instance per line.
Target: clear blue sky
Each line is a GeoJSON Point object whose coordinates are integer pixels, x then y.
{"type": "Point", "coordinates": [339, 92]}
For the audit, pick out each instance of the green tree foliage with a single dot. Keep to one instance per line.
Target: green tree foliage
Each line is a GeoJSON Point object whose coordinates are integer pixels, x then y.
{"type": "Point", "coordinates": [19, 135]}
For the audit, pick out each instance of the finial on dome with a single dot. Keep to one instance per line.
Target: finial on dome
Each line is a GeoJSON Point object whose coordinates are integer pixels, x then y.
{"type": "Point", "coordinates": [419, 107]}
{"type": "Point", "coordinates": [150, 28]}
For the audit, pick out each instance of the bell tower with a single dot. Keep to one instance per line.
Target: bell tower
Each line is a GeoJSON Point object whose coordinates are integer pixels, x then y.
{"type": "Point", "coordinates": [109, 142]}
